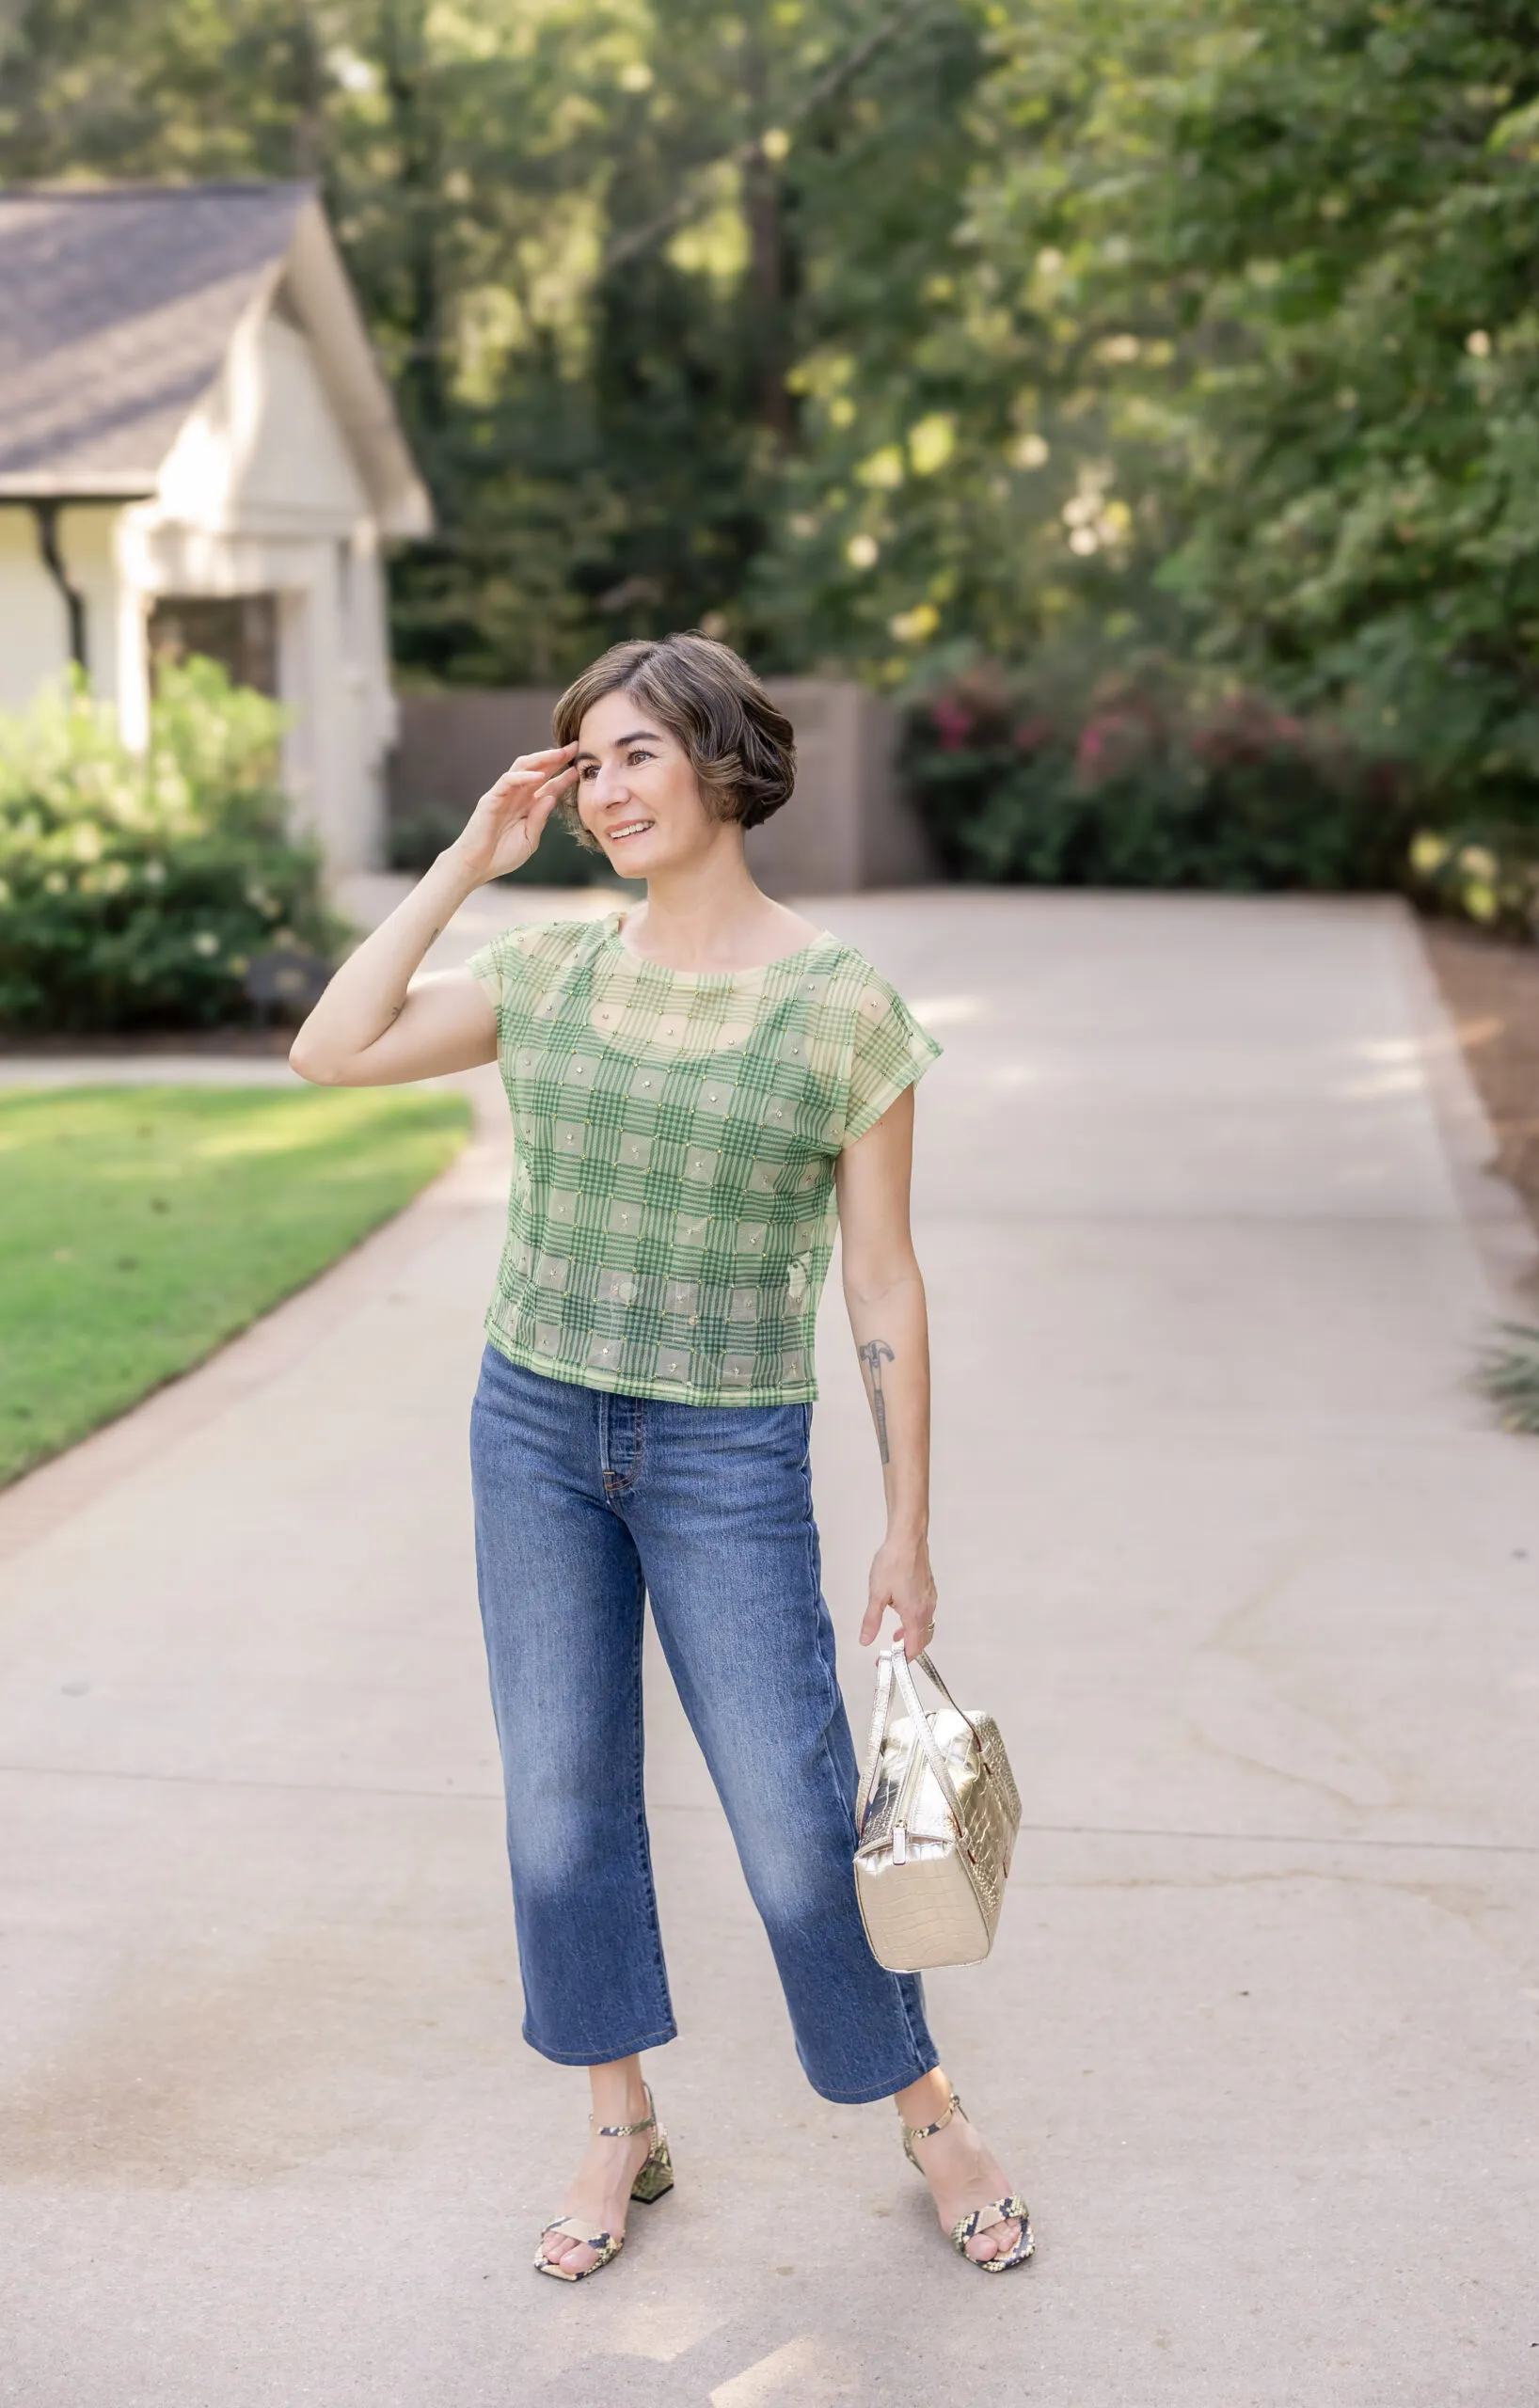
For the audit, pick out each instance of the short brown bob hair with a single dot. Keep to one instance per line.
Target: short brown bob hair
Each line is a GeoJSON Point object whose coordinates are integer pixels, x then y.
{"type": "Point", "coordinates": [741, 749]}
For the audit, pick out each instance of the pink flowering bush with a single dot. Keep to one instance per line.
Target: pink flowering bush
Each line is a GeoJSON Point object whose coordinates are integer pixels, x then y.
{"type": "Point", "coordinates": [1059, 776]}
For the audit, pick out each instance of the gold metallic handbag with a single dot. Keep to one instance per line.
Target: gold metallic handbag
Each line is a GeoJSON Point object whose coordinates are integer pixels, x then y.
{"type": "Point", "coordinates": [936, 1821]}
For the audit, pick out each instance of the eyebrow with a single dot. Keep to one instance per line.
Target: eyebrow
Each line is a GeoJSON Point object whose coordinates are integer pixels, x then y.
{"type": "Point", "coordinates": [636, 735]}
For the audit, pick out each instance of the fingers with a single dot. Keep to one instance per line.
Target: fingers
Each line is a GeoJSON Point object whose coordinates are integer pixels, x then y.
{"type": "Point", "coordinates": [544, 800]}
{"type": "Point", "coordinates": [556, 784]}
{"type": "Point", "coordinates": [528, 762]}
{"type": "Point", "coordinates": [554, 768]}
{"type": "Point", "coordinates": [916, 1636]}
{"type": "Point", "coordinates": [537, 817]}
{"type": "Point", "coordinates": [551, 787]}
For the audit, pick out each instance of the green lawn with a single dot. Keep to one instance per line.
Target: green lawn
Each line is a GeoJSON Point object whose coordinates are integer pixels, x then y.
{"type": "Point", "coordinates": [139, 1227]}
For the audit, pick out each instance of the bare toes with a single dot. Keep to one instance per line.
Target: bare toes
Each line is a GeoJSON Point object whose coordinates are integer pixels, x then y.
{"type": "Point", "coordinates": [997, 2242]}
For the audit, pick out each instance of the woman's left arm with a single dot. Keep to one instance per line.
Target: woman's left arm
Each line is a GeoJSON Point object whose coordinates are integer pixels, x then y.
{"type": "Point", "coordinates": [884, 1295]}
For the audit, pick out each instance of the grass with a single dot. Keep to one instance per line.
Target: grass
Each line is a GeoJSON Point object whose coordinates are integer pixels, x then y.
{"type": "Point", "coordinates": [141, 1227]}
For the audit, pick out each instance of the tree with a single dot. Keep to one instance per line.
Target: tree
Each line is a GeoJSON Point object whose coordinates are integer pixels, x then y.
{"type": "Point", "coordinates": [1361, 195]}
{"type": "Point", "coordinates": [594, 244]}
{"type": "Point", "coordinates": [872, 331]}
{"type": "Point", "coordinates": [1300, 247]}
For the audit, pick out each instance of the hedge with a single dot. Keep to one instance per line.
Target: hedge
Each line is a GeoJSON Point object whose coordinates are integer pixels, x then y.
{"type": "Point", "coordinates": [136, 890]}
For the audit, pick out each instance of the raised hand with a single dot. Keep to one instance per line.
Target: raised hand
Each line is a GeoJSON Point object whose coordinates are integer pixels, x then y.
{"type": "Point", "coordinates": [509, 820]}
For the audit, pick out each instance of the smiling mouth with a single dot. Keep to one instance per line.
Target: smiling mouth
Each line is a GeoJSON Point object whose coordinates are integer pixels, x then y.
{"type": "Point", "coordinates": [631, 827]}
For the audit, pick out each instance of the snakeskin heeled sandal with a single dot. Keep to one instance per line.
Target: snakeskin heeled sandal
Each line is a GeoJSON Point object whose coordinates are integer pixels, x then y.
{"type": "Point", "coordinates": [653, 2181]}
{"type": "Point", "coordinates": [1006, 2210]}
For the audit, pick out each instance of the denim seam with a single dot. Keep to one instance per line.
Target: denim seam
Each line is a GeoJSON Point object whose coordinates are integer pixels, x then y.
{"type": "Point", "coordinates": [836, 1701]}
{"type": "Point", "coordinates": [916, 2055]}
{"type": "Point", "coordinates": [644, 1849]}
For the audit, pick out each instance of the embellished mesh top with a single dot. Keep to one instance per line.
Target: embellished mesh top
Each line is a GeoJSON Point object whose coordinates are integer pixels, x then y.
{"type": "Point", "coordinates": [672, 1208]}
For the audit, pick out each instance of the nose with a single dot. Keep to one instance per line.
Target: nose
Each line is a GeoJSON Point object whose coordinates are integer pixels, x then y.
{"type": "Point", "coordinates": [607, 785]}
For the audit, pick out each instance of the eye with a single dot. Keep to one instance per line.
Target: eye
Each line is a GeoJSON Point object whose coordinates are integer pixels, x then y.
{"type": "Point", "coordinates": [636, 752]}
{"type": "Point", "coordinates": [588, 771]}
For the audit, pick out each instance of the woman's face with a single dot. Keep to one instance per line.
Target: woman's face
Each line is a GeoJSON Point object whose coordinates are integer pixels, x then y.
{"type": "Point", "coordinates": [637, 792]}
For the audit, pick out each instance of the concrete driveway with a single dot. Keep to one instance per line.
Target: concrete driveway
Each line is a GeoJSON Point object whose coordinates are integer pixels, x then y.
{"type": "Point", "coordinates": [1224, 1538]}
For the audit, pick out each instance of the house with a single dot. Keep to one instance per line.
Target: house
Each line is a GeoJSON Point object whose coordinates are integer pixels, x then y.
{"type": "Point", "coordinates": [198, 448]}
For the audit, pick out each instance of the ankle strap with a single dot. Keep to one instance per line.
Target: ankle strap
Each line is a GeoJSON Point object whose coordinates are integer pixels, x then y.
{"type": "Point", "coordinates": [927, 2132]}
{"type": "Point", "coordinates": [624, 2131]}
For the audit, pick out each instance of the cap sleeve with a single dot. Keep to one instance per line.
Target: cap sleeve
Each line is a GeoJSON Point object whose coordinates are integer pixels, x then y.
{"type": "Point", "coordinates": [890, 1052]}
{"type": "Point", "coordinates": [519, 964]}
{"type": "Point", "coordinates": [495, 970]}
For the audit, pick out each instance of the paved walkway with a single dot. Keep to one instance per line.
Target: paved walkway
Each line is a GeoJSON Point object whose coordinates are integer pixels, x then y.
{"type": "Point", "coordinates": [1221, 1533]}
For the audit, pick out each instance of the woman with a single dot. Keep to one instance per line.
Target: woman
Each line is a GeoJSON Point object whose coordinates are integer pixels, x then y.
{"type": "Point", "coordinates": [700, 1087]}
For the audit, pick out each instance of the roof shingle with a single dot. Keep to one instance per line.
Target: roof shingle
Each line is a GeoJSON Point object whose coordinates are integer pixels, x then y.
{"type": "Point", "coordinates": [115, 308]}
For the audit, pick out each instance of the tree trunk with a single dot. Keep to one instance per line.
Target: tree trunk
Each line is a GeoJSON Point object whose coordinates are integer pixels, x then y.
{"type": "Point", "coordinates": [404, 51]}
{"type": "Point", "coordinates": [767, 272]}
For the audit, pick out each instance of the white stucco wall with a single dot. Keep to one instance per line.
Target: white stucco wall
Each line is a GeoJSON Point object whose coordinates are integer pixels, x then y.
{"type": "Point", "coordinates": [262, 451]}
{"type": "Point", "coordinates": [259, 494]}
{"type": "Point", "coordinates": [34, 626]}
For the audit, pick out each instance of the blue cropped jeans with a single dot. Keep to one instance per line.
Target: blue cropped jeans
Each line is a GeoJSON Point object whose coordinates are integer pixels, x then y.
{"type": "Point", "coordinates": [587, 1504]}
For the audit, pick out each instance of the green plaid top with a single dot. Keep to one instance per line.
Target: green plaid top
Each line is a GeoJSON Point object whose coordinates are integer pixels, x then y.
{"type": "Point", "coordinates": [674, 1135]}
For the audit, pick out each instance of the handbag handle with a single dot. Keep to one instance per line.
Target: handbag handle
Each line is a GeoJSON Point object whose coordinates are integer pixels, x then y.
{"type": "Point", "coordinates": [880, 1706]}
{"type": "Point", "coordinates": [893, 1667]}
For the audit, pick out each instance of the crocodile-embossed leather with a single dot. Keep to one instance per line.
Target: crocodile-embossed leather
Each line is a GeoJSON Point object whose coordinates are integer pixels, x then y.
{"type": "Point", "coordinates": [937, 1818]}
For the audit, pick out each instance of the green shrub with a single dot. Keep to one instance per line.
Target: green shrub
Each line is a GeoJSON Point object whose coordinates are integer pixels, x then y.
{"type": "Point", "coordinates": [1486, 871]}
{"type": "Point", "coordinates": [1139, 777]}
{"type": "Point", "coordinates": [137, 890]}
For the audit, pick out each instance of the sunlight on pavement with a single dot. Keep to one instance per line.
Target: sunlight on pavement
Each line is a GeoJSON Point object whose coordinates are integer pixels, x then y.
{"type": "Point", "coordinates": [773, 2378]}
{"type": "Point", "coordinates": [948, 1011]}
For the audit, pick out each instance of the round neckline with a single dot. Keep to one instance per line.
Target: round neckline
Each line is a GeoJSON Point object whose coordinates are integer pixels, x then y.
{"type": "Point", "coordinates": [699, 977]}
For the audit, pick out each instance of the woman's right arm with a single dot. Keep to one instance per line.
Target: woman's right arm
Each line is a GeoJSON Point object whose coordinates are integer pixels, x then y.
{"type": "Point", "coordinates": [373, 1027]}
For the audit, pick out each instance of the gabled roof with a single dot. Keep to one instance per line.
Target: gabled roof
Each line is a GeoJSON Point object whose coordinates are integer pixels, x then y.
{"type": "Point", "coordinates": [117, 304]}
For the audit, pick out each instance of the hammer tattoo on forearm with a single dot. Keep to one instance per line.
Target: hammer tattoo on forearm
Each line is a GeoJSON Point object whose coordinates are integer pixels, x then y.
{"type": "Point", "coordinates": [873, 1355]}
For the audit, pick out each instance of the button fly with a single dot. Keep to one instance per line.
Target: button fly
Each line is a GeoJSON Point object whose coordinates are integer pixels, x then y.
{"type": "Point", "coordinates": [620, 1441]}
